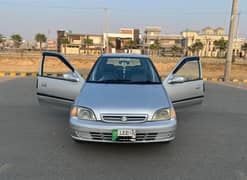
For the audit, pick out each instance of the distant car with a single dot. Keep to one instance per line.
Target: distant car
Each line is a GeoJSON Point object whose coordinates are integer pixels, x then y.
{"type": "Point", "coordinates": [123, 98]}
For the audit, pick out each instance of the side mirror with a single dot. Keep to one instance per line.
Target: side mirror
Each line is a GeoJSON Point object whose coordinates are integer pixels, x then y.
{"type": "Point", "coordinates": [177, 79]}
{"type": "Point", "coordinates": [71, 77]}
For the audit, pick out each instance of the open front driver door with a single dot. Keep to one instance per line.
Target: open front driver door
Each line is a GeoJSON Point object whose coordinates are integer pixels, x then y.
{"type": "Point", "coordinates": [58, 83]}
{"type": "Point", "coordinates": [185, 83]}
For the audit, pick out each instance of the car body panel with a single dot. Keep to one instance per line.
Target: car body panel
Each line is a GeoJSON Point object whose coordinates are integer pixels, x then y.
{"type": "Point", "coordinates": [123, 98]}
{"type": "Point", "coordinates": [120, 99]}
{"type": "Point", "coordinates": [55, 91]}
{"type": "Point", "coordinates": [49, 91]}
{"type": "Point", "coordinates": [186, 93]}
{"type": "Point", "coordinates": [98, 131]}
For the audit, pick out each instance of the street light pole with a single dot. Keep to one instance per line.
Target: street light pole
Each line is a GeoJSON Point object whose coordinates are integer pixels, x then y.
{"type": "Point", "coordinates": [232, 32]}
{"type": "Point", "coordinates": [106, 30]}
{"type": "Point", "coordinates": [238, 22]}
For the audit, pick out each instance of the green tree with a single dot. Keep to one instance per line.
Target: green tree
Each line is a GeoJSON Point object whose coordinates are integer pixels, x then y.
{"type": "Point", "coordinates": [155, 47]}
{"type": "Point", "coordinates": [88, 42]}
{"type": "Point", "coordinates": [191, 49]}
{"type": "Point", "coordinates": [244, 48]}
{"type": "Point", "coordinates": [2, 38]}
{"type": "Point", "coordinates": [196, 47]}
{"type": "Point", "coordinates": [221, 45]}
{"type": "Point", "coordinates": [64, 41]}
{"type": "Point", "coordinates": [40, 38]}
{"type": "Point", "coordinates": [175, 50]}
{"type": "Point", "coordinates": [17, 40]}
{"type": "Point", "coordinates": [110, 44]}
{"type": "Point", "coordinates": [131, 44]}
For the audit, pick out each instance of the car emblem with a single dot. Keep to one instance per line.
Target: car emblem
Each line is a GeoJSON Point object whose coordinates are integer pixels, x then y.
{"type": "Point", "coordinates": [124, 119]}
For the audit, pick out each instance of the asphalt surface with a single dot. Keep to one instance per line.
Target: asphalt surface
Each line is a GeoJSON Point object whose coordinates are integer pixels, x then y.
{"type": "Point", "coordinates": [35, 143]}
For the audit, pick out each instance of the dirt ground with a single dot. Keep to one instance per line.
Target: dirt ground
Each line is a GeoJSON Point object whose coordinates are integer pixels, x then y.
{"type": "Point", "coordinates": [211, 67]}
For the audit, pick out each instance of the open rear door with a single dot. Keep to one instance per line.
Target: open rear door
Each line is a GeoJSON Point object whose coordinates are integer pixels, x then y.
{"type": "Point", "coordinates": [58, 83]}
{"type": "Point", "coordinates": [185, 83]}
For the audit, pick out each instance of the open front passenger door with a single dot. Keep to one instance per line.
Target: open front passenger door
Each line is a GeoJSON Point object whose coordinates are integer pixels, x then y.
{"type": "Point", "coordinates": [185, 83]}
{"type": "Point", "coordinates": [58, 83]}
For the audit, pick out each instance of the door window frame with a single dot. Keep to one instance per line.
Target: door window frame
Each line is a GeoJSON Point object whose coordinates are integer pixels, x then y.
{"type": "Point", "coordinates": [184, 61]}
{"type": "Point", "coordinates": [61, 58]}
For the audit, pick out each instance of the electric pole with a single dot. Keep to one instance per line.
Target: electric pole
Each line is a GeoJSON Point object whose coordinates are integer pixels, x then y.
{"type": "Point", "coordinates": [232, 32]}
{"type": "Point", "coordinates": [238, 22]}
{"type": "Point", "coordinates": [106, 30]}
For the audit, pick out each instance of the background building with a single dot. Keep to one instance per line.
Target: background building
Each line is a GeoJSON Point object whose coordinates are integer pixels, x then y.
{"type": "Point", "coordinates": [95, 44]}
{"type": "Point", "coordinates": [163, 44]}
{"type": "Point", "coordinates": [51, 45]}
{"type": "Point", "coordinates": [135, 33]}
{"type": "Point", "coordinates": [120, 42]}
{"type": "Point", "coordinates": [86, 44]}
{"type": "Point", "coordinates": [208, 42]}
{"type": "Point", "coordinates": [208, 36]}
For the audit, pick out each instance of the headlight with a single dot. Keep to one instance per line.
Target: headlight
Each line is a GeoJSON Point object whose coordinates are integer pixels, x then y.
{"type": "Point", "coordinates": [82, 113]}
{"type": "Point", "coordinates": [164, 114]}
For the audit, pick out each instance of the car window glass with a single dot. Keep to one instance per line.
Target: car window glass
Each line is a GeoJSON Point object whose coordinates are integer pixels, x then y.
{"type": "Point", "coordinates": [190, 71]}
{"type": "Point", "coordinates": [124, 70]}
{"type": "Point", "coordinates": [54, 67]}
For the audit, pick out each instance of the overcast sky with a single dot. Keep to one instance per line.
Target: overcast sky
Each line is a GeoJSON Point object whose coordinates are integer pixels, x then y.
{"type": "Point", "coordinates": [27, 17]}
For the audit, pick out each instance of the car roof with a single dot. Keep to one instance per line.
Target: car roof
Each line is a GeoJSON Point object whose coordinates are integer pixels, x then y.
{"type": "Point", "coordinates": [124, 55]}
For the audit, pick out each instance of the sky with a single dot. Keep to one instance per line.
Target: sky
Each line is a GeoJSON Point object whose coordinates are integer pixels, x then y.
{"type": "Point", "coordinates": [28, 17]}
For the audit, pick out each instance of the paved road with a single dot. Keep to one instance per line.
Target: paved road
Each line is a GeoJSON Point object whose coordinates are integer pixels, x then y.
{"type": "Point", "coordinates": [35, 143]}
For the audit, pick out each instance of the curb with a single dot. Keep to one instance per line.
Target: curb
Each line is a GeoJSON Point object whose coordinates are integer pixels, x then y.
{"type": "Point", "coordinates": [221, 80]}
{"type": "Point", "coordinates": [18, 74]}
{"type": "Point", "coordinates": [35, 74]}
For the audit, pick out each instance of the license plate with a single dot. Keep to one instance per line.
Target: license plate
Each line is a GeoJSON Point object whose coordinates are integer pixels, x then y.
{"type": "Point", "coordinates": [125, 133]}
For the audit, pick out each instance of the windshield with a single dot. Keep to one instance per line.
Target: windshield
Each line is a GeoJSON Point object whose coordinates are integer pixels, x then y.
{"type": "Point", "coordinates": [124, 70]}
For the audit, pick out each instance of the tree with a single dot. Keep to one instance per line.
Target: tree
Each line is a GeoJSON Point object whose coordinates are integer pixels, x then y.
{"type": "Point", "coordinates": [221, 45]}
{"type": "Point", "coordinates": [191, 49]}
{"type": "Point", "coordinates": [131, 44]}
{"type": "Point", "coordinates": [244, 48]}
{"type": "Point", "coordinates": [175, 49]}
{"type": "Point", "coordinates": [196, 47]}
{"type": "Point", "coordinates": [17, 40]}
{"type": "Point", "coordinates": [2, 38]}
{"type": "Point", "coordinates": [110, 44]}
{"type": "Point", "coordinates": [88, 42]}
{"type": "Point", "coordinates": [64, 41]}
{"type": "Point", "coordinates": [40, 38]}
{"type": "Point", "coordinates": [155, 47]}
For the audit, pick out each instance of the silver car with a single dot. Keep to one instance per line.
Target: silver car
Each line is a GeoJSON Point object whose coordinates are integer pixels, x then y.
{"type": "Point", "coordinates": [123, 98]}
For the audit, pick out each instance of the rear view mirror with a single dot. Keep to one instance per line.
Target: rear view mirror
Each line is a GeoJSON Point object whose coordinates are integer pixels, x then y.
{"type": "Point", "coordinates": [177, 79]}
{"type": "Point", "coordinates": [71, 77]}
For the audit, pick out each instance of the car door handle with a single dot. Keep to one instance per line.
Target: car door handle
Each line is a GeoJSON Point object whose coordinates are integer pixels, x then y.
{"type": "Point", "coordinates": [198, 87]}
{"type": "Point", "coordinates": [43, 85]}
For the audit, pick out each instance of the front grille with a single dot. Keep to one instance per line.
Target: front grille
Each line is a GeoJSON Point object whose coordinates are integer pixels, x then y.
{"type": "Point", "coordinates": [101, 136]}
{"type": "Point", "coordinates": [123, 118]}
{"type": "Point", "coordinates": [108, 136]}
{"type": "Point", "coordinates": [146, 136]}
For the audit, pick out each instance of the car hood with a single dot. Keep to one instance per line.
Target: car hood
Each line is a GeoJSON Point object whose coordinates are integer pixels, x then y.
{"type": "Point", "coordinates": [123, 98]}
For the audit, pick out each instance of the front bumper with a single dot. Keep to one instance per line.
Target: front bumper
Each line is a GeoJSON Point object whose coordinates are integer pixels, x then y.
{"type": "Point", "coordinates": [98, 131]}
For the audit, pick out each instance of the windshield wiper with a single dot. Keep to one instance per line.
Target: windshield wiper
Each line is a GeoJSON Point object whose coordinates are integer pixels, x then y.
{"type": "Point", "coordinates": [114, 81]}
{"type": "Point", "coordinates": [145, 82]}
{"type": "Point", "coordinates": [125, 81]}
